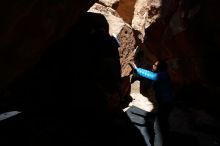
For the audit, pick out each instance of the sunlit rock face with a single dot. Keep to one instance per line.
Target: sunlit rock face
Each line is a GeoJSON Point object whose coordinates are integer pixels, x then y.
{"type": "Point", "coordinates": [109, 3]}
{"type": "Point", "coordinates": [145, 13]}
{"type": "Point", "coordinates": [123, 32]}
{"type": "Point", "coordinates": [116, 23]}
{"type": "Point", "coordinates": [128, 22]}
{"type": "Point", "coordinates": [29, 27]}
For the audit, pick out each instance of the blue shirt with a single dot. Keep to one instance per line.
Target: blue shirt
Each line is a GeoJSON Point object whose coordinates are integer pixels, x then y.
{"type": "Point", "coordinates": [151, 75]}
{"type": "Point", "coordinates": [161, 84]}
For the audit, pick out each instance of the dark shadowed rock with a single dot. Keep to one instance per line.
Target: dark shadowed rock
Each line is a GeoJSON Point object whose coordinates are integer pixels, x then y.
{"type": "Point", "coordinates": [29, 27]}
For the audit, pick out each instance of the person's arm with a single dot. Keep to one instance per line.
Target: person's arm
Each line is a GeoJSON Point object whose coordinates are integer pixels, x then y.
{"type": "Point", "coordinates": [147, 74]}
{"type": "Point", "coordinates": [144, 72]}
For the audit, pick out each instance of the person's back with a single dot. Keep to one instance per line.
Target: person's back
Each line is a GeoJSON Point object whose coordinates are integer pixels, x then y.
{"type": "Point", "coordinates": [163, 90]}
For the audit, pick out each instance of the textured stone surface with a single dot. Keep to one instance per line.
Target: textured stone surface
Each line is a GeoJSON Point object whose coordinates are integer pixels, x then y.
{"type": "Point", "coordinates": [109, 3]}
{"type": "Point", "coordinates": [126, 50]}
{"type": "Point", "coordinates": [115, 22]}
{"type": "Point", "coordinates": [123, 32]}
{"type": "Point", "coordinates": [145, 13]}
{"type": "Point", "coordinates": [126, 10]}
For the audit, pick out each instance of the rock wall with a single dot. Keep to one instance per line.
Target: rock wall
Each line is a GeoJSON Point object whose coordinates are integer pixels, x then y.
{"type": "Point", "coordinates": [186, 33]}
{"type": "Point", "coordinates": [123, 32]}
{"type": "Point", "coordinates": [175, 30]}
{"type": "Point", "coordinates": [181, 37]}
{"type": "Point", "coordinates": [29, 27]}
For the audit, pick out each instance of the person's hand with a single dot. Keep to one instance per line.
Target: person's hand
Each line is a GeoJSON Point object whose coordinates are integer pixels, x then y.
{"type": "Point", "coordinates": [133, 65]}
{"type": "Point", "coordinates": [134, 71]}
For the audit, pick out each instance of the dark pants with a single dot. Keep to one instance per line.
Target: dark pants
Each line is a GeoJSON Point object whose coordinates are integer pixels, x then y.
{"type": "Point", "coordinates": [147, 124]}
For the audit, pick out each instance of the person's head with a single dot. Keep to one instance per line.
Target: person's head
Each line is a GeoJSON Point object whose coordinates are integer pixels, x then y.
{"type": "Point", "coordinates": [159, 66]}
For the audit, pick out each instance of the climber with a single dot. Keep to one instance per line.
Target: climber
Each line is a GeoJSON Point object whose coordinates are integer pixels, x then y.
{"type": "Point", "coordinates": [163, 92]}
